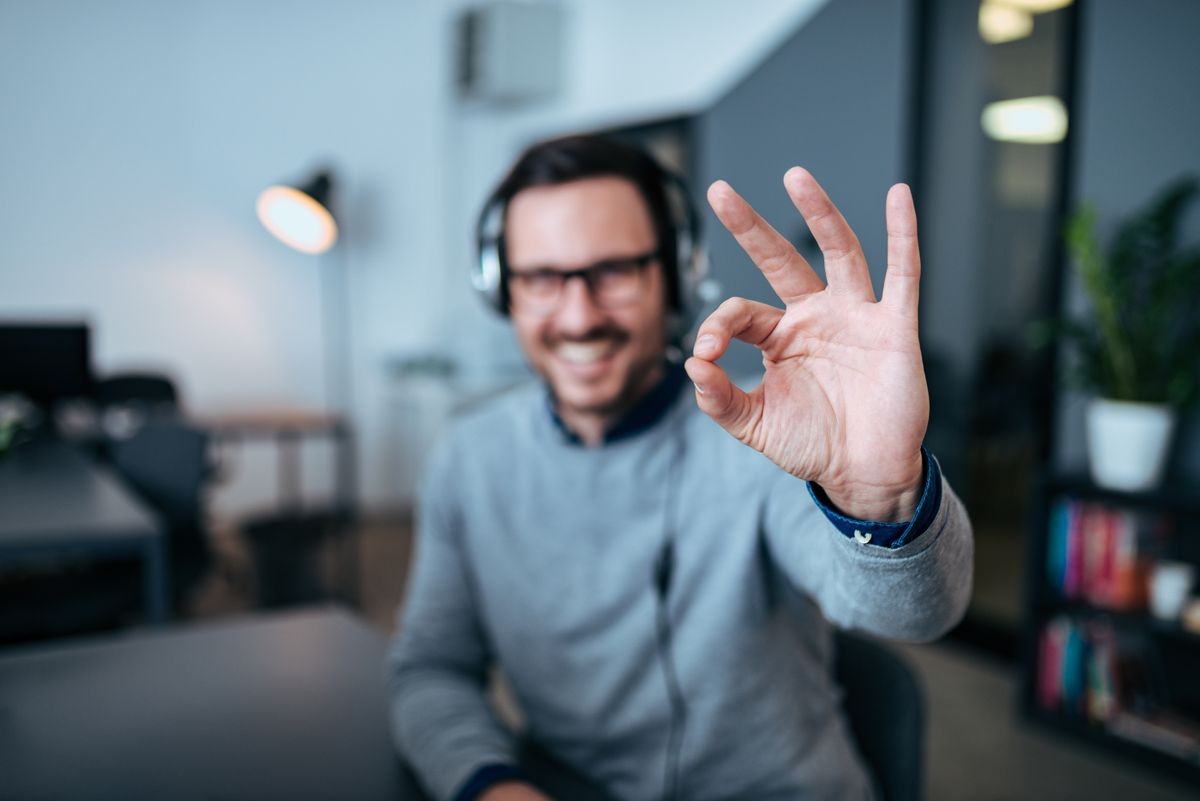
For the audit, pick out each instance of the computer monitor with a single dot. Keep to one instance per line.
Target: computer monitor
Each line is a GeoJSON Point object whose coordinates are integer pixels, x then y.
{"type": "Point", "coordinates": [45, 362]}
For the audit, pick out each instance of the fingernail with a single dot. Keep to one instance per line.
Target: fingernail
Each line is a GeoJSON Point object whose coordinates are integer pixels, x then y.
{"type": "Point", "coordinates": [700, 389]}
{"type": "Point", "coordinates": [706, 342]}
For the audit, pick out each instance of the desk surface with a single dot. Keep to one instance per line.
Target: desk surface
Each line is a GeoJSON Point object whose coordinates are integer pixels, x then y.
{"type": "Point", "coordinates": [285, 706]}
{"type": "Point", "coordinates": [271, 422]}
{"type": "Point", "coordinates": [53, 496]}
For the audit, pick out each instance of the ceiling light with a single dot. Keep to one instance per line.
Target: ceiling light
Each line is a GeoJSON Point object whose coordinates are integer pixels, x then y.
{"type": "Point", "coordinates": [1037, 6]}
{"type": "Point", "coordinates": [1029, 120]}
{"type": "Point", "coordinates": [1002, 23]}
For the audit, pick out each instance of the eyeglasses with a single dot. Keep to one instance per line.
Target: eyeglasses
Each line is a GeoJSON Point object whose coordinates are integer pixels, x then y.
{"type": "Point", "coordinates": [612, 283]}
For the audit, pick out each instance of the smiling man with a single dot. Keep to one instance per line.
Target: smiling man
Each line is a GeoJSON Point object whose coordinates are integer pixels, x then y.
{"type": "Point", "coordinates": [657, 571]}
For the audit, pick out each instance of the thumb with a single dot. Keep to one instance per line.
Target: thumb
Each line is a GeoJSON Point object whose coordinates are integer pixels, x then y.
{"type": "Point", "coordinates": [734, 410]}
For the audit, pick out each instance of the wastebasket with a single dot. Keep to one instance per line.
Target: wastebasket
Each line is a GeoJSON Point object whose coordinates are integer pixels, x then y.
{"type": "Point", "coordinates": [286, 550]}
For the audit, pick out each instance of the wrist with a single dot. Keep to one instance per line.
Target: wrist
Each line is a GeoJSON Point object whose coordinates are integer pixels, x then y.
{"type": "Point", "coordinates": [890, 503]}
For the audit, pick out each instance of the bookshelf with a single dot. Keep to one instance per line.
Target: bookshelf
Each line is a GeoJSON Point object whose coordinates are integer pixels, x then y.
{"type": "Point", "coordinates": [1096, 664]}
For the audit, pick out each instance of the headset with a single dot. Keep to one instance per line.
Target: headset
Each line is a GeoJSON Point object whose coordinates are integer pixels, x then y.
{"type": "Point", "coordinates": [694, 289]}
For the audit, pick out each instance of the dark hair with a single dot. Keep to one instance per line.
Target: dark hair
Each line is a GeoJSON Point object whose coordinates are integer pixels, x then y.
{"type": "Point", "coordinates": [571, 158]}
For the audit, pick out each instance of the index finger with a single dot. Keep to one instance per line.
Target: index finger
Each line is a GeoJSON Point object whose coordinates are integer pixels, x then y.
{"type": "Point", "coordinates": [786, 270]}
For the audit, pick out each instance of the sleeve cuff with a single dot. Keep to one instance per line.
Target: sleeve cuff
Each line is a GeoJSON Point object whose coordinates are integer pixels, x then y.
{"type": "Point", "coordinates": [485, 777]}
{"type": "Point", "coordinates": [889, 535]}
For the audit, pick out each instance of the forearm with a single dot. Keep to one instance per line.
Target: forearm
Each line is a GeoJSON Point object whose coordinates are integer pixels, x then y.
{"type": "Point", "coordinates": [915, 592]}
{"type": "Point", "coordinates": [906, 580]}
{"type": "Point", "coordinates": [437, 666]}
{"type": "Point", "coordinates": [443, 725]}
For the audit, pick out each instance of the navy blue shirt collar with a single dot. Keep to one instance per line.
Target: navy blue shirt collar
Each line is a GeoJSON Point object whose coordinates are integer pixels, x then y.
{"type": "Point", "coordinates": [645, 413]}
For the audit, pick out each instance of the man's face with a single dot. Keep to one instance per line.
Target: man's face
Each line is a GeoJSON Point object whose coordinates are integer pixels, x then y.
{"type": "Point", "coordinates": [598, 358]}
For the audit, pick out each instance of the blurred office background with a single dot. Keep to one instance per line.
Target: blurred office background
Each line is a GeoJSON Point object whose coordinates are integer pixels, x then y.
{"type": "Point", "coordinates": [138, 135]}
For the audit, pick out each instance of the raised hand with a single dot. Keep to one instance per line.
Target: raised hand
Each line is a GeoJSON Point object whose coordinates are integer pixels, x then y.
{"type": "Point", "coordinates": [843, 401]}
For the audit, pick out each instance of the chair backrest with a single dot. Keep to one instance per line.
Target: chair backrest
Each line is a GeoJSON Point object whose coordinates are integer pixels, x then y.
{"type": "Point", "coordinates": [127, 401]}
{"type": "Point", "coordinates": [150, 389]}
{"type": "Point", "coordinates": [885, 706]}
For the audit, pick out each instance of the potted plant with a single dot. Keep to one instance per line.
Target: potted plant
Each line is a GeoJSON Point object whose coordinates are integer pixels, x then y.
{"type": "Point", "coordinates": [14, 416]}
{"type": "Point", "coordinates": [8, 434]}
{"type": "Point", "coordinates": [1138, 350]}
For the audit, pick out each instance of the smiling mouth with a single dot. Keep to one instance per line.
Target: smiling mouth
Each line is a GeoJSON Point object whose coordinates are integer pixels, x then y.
{"type": "Point", "coordinates": [586, 352]}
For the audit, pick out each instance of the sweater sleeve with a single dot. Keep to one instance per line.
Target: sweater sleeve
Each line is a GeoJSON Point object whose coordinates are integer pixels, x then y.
{"type": "Point", "coordinates": [438, 662]}
{"type": "Point", "coordinates": [917, 591]}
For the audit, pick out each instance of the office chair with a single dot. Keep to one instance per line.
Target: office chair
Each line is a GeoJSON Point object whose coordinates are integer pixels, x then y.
{"type": "Point", "coordinates": [885, 707]}
{"type": "Point", "coordinates": [149, 389]}
{"type": "Point", "coordinates": [127, 401]}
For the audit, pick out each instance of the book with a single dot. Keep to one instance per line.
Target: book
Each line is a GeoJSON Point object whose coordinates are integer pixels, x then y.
{"type": "Point", "coordinates": [1101, 555]}
{"type": "Point", "coordinates": [1049, 677]}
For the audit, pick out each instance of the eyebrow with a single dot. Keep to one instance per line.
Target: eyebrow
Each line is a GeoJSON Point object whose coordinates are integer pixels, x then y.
{"type": "Point", "coordinates": [544, 268]}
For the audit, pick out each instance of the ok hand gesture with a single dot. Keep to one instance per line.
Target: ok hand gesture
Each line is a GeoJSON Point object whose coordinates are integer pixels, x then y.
{"type": "Point", "coordinates": [843, 401]}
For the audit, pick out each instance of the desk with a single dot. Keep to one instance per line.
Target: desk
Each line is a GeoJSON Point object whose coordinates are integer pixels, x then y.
{"type": "Point", "coordinates": [287, 706]}
{"type": "Point", "coordinates": [287, 427]}
{"type": "Point", "coordinates": [56, 503]}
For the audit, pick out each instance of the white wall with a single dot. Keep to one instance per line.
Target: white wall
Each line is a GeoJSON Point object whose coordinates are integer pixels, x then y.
{"type": "Point", "coordinates": [136, 135]}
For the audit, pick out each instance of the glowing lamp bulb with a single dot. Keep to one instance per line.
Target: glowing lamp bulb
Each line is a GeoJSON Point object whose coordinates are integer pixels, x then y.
{"type": "Point", "coordinates": [297, 219]}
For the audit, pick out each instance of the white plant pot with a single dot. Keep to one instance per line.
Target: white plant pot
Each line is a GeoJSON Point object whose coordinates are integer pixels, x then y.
{"type": "Point", "coordinates": [1128, 443]}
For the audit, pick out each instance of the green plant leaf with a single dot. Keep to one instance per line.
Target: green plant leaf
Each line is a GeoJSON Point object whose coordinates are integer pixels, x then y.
{"type": "Point", "coordinates": [1142, 340]}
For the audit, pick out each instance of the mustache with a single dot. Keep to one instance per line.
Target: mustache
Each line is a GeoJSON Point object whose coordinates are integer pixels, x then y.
{"type": "Point", "coordinates": [598, 334]}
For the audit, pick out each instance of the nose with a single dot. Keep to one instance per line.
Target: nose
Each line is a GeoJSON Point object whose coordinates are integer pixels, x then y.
{"type": "Point", "coordinates": [577, 311]}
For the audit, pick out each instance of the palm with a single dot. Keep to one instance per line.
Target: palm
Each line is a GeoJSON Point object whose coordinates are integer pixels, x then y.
{"type": "Point", "coordinates": [843, 400]}
{"type": "Point", "coordinates": [837, 401]}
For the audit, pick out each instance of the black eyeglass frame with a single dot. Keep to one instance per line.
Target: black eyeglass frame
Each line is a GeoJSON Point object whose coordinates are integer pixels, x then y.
{"type": "Point", "coordinates": [588, 274]}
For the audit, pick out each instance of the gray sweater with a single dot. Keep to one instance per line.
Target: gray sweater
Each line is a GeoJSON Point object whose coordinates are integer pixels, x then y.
{"type": "Point", "coordinates": [537, 554]}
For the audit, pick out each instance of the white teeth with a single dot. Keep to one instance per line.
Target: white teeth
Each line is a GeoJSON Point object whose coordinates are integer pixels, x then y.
{"type": "Point", "coordinates": [583, 352]}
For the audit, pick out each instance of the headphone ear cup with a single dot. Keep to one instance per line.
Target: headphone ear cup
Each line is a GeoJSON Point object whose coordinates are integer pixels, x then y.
{"type": "Point", "coordinates": [487, 275]}
{"type": "Point", "coordinates": [696, 290]}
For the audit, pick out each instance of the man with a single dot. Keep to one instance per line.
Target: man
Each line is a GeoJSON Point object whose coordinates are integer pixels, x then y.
{"type": "Point", "coordinates": [659, 595]}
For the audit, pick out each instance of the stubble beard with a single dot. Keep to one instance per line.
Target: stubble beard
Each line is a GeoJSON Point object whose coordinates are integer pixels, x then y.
{"type": "Point", "coordinates": [640, 378]}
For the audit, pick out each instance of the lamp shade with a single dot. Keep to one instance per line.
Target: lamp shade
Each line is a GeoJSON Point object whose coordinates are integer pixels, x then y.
{"type": "Point", "coordinates": [299, 216]}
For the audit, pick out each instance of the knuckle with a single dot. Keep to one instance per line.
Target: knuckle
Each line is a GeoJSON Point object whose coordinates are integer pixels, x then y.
{"type": "Point", "coordinates": [775, 263]}
{"type": "Point", "coordinates": [841, 251]}
{"type": "Point", "coordinates": [822, 211]}
{"type": "Point", "coordinates": [731, 310]}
